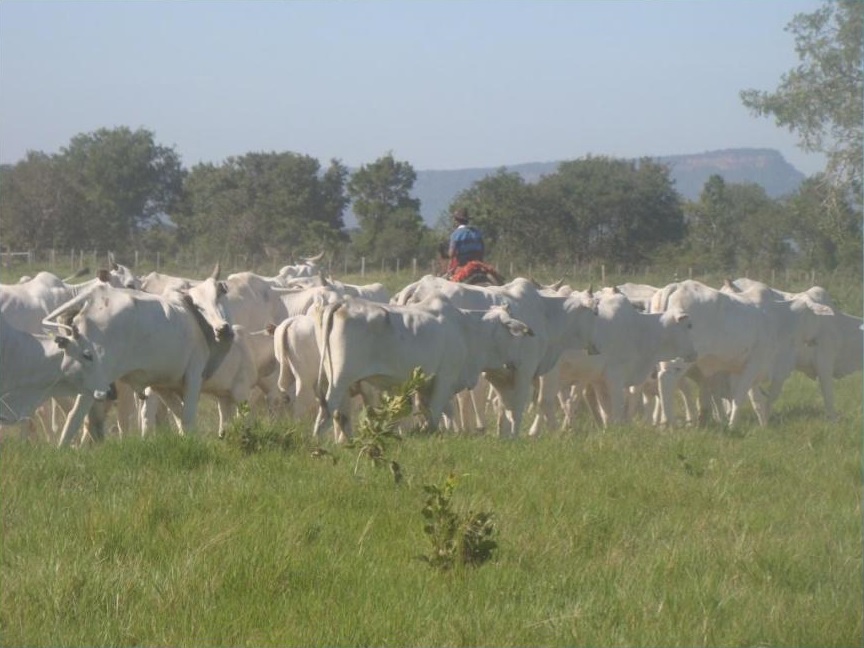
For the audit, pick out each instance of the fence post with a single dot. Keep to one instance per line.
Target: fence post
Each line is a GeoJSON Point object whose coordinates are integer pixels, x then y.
{"type": "Point", "coordinates": [813, 277]}
{"type": "Point", "coordinates": [136, 259]}
{"type": "Point", "coordinates": [363, 266]}
{"type": "Point", "coordinates": [414, 268]}
{"type": "Point", "coordinates": [53, 259]}
{"type": "Point", "coordinates": [157, 260]}
{"type": "Point", "coordinates": [773, 277]}
{"type": "Point", "coordinates": [602, 274]}
{"type": "Point", "coordinates": [511, 269]}
{"type": "Point", "coordinates": [690, 272]}
{"type": "Point", "coordinates": [397, 266]}
{"type": "Point", "coordinates": [345, 265]}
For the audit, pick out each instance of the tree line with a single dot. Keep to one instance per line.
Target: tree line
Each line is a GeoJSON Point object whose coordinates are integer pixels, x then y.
{"type": "Point", "coordinates": [121, 190]}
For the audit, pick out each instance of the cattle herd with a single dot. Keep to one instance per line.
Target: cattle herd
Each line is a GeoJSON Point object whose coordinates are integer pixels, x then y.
{"type": "Point", "coordinates": [141, 348]}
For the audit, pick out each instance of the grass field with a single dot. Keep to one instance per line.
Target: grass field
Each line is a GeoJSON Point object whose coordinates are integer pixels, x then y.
{"type": "Point", "coordinates": [627, 537]}
{"type": "Point", "coordinates": [632, 536]}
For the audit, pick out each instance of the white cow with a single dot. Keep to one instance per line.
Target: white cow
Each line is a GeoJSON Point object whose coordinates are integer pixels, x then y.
{"type": "Point", "coordinates": [383, 344]}
{"type": "Point", "coordinates": [834, 350]}
{"type": "Point", "coordinates": [558, 323]}
{"type": "Point", "coordinates": [296, 348]}
{"type": "Point", "coordinates": [375, 292]}
{"type": "Point", "coordinates": [24, 305]}
{"type": "Point", "coordinates": [307, 268]}
{"type": "Point", "coordinates": [630, 344]}
{"type": "Point", "coordinates": [145, 340]}
{"type": "Point", "coordinates": [230, 384]}
{"type": "Point", "coordinates": [34, 368]}
{"type": "Point", "coordinates": [639, 295]}
{"type": "Point", "coordinates": [741, 340]}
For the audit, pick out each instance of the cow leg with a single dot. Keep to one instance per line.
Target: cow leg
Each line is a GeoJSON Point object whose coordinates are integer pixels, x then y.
{"type": "Point", "coordinates": [594, 404]}
{"type": "Point", "coordinates": [548, 387]}
{"type": "Point", "coordinates": [125, 408]}
{"type": "Point", "coordinates": [190, 402]}
{"type": "Point", "coordinates": [615, 397]}
{"type": "Point", "coordinates": [739, 385]}
{"type": "Point", "coordinates": [825, 376]}
{"type": "Point", "coordinates": [75, 418]}
{"type": "Point", "coordinates": [227, 407]}
{"type": "Point", "coordinates": [761, 404]}
{"type": "Point", "coordinates": [668, 378]}
{"type": "Point", "coordinates": [94, 426]}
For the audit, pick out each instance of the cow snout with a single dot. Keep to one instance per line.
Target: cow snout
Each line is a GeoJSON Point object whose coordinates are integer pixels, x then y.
{"type": "Point", "coordinates": [224, 332]}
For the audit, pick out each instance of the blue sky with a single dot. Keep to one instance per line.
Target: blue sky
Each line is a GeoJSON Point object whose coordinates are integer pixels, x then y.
{"type": "Point", "coordinates": [442, 84]}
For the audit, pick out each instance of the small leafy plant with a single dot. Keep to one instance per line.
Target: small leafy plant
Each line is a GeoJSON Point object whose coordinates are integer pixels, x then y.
{"type": "Point", "coordinates": [253, 434]}
{"type": "Point", "coordinates": [378, 427]}
{"type": "Point", "coordinates": [456, 539]}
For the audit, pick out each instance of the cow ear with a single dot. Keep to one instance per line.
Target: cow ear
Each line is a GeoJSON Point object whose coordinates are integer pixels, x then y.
{"type": "Point", "coordinates": [62, 341]}
{"type": "Point", "coordinates": [271, 329]}
{"type": "Point", "coordinates": [615, 290]}
{"type": "Point", "coordinates": [103, 275]}
{"type": "Point", "coordinates": [222, 288]}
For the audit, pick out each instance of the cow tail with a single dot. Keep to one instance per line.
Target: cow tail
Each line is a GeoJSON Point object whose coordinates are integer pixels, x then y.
{"type": "Point", "coordinates": [280, 334]}
{"type": "Point", "coordinates": [324, 327]}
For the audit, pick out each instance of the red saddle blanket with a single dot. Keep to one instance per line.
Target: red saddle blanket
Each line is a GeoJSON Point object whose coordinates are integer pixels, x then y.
{"type": "Point", "coordinates": [474, 267]}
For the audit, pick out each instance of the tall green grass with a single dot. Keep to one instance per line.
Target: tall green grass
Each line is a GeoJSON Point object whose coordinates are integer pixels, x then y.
{"type": "Point", "coordinates": [633, 536]}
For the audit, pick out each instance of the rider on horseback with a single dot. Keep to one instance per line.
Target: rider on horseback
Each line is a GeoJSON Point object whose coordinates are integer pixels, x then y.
{"type": "Point", "coordinates": [466, 253]}
{"type": "Point", "coordinates": [466, 242]}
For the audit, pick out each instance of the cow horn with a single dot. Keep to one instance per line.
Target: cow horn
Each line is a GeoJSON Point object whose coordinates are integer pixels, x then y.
{"type": "Point", "coordinates": [315, 259]}
{"type": "Point", "coordinates": [71, 305]}
{"type": "Point", "coordinates": [78, 273]}
{"type": "Point", "coordinates": [216, 271]}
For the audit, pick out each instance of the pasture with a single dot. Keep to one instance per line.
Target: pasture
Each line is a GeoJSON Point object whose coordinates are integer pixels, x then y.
{"type": "Point", "coordinates": [629, 536]}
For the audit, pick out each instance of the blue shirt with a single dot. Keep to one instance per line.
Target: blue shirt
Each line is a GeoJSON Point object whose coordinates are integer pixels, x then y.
{"type": "Point", "coordinates": [466, 243]}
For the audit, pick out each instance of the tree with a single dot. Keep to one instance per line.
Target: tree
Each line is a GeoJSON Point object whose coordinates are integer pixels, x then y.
{"type": "Point", "coordinates": [712, 230]}
{"type": "Point", "coordinates": [387, 214]}
{"type": "Point", "coordinates": [825, 238]}
{"type": "Point", "coordinates": [126, 180]}
{"type": "Point", "coordinates": [611, 209]}
{"type": "Point", "coordinates": [273, 204]}
{"type": "Point", "coordinates": [821, 99]}
{"type": "Point", "coordinates": [762, 228]}
{"type": "Point", "coordinates": [40, 205]}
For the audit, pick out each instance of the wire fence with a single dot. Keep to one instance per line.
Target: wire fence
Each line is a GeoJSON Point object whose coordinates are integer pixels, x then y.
{"type": "Point", "coordinates": [192, 264]}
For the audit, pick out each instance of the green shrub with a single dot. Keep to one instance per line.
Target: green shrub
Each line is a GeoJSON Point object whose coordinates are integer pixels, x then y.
{"type": "Point", "coordinates": [456, 539]}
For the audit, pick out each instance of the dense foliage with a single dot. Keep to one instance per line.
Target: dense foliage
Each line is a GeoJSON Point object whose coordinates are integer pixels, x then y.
{"type": "Point", "coordinates": [820, 100]}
